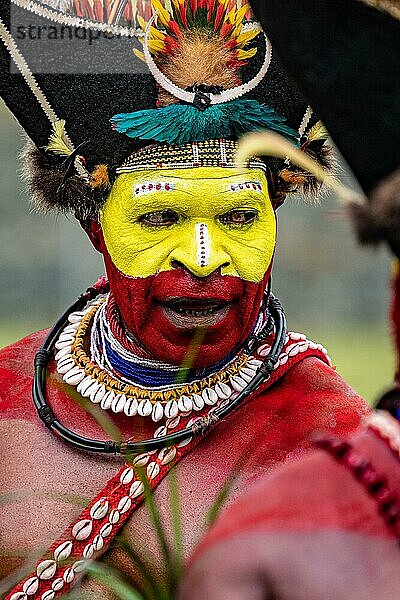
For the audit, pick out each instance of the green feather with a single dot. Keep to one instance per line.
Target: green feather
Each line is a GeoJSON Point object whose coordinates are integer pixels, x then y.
{"type": "Point", "coordinates": [179, 124]}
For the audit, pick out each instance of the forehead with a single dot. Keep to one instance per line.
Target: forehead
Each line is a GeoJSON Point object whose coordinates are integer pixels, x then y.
{"type": "Point", "coordinates": [201, 179]}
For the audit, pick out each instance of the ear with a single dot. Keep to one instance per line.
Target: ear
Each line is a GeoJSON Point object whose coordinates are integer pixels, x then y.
{"type": "Point", "coordinates": [95, 233]}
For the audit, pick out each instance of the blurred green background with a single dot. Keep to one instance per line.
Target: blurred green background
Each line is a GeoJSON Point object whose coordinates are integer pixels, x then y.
{"type": "Point", "coordinates": [332, 290]}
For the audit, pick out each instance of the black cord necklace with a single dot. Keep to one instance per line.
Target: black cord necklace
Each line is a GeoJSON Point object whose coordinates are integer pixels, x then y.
{"type": "Point", "coordinates": [200, 427]}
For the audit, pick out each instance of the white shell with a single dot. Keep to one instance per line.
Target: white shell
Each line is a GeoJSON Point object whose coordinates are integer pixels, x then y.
{"type": "Point", "coordinates": [62, 354]}
{"type": "Point", "coordinates": [48, 595]}
{"type": "Point", "coordinates": [158, 412]}
{"type": "Point", "coordinates": [294, 351]}
{"type": "Point", "coordinates": [65, 365]}
{"type": "Point", "coordinates": [185, 404]}
{"type": "Point", "coordinates": [283, 359]}
{"type": "Point", "coordinates": [74, 376]}
{"type": "Point", "coordinates": [98, 543]}
{"type": "Point", "coordinates": [254, 363]}
{"type": "Point", "coordinates": [126, 475]}
{"type": "Point", "coordinates": [145, 408]}
{"type": "Point", "coordinates": [69, 575]}
{"type": "Point", "coordinates": [166, 455]}
{"type": "Point", "coordinates": [245, 376]}
{"type": "Point", "coordinates": [63, 551]}
{"type": "Point", "coordinates": [171, 409]}
{"type": "Point", "coordinates": [85, 384]}
{"type": "Point", "coordinates": [160, 431]}
{"type": "Point", "coordinates": [82, 529]}
{"type": "Point", "coordinates": [91, 389]}
{"type": "Point", "coordinates": [238, 383]}
{"type": "Point", "coordinates": [223, 390]}
{"type": "Point", "coordinates": [113, 517]}
{"type": "Point", "coordinates": [172, 423]}
{"type": "Point", "coordinates": [88, 551]}
{"type": "Point", "coordinates": [247, 371]}
{"type": "Point", "coordinates": [153, 470]}
{"type": "Point", "coordinates": [57, 584]}
{"type": "Point", "coordinates": [118, 403]}
{"type": "Point", "coordinates": [137, 488]}
{"type": "Point", "coordinates": [76, 317]}
{"type": "Point", "coordinates": [209, 396]}
{"type": "Point", "coordinates": [124, 504]}
{"type": "Point", "coordinates": [79, 566]}
{"type": "Point", "coordinates": [99, 509]}
{"type": "Point", "coordinates": [107, 400]}
{"type": "Point", "coordinates": [61, 345]}
{"type": "Point", "coordinates": [313, 345]}
{"type": "Point", "coordinates": [46, 569]}
{"type": "Point", "coordinates": [296, 337]}
{"type": "Point", "coordinates": [303, 346]}
{"type": "Point", "coordinates": [97, 396]}
{"type": "Point", "coordinates": [184, 442]}
{"type": "Point", "coordinates": [18, 596]}
{"type": "Point", "coordinates": [197, 402]}
{"type": "Point", "coordinates": [106, 530]}
{"type": "Point", "coordinates": [131, 407]}
{"type": "Point", "coordinates": [71, 328]}
{"type": "Point", "coordinates": [263, 350]}
{"type": "Point", "coordinates": [30, 586]}
{"type": "Point", "coordinates": [66, 337]}
{"type": "Point", "coordinates": [141, 459]}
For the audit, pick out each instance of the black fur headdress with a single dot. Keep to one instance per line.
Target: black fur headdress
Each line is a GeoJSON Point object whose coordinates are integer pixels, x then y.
{"type": "Point", "coordinates": [64, 75]}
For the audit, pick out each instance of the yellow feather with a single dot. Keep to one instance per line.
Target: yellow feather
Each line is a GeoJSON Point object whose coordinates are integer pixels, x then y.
{"type": "Point", "coordinates": [246, 37]}
{"type": "Point", "coordinates": [142, 22]}
{"type": "Point", "coordinates": [163, 14]}
{"type": "Point", "coordinates": [156, 46]}
{"type": "Point", "coordinates": [317, 132]}
{"type": "Point", "coordinates": [139, 54]}
{"type": "Point", "coordinates": [230, 17]}
{"type": "Point", "coordinates": [241, 14]}
{"type": "Point", "coordinates": [56, 142]}
{"type": "Point", "coordinates": [246, 54]}
{"type": "Point", "coordinates": [155, 34]}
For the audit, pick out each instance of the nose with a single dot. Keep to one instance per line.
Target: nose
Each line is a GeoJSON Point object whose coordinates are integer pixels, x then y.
{"type": "Point", "coordinates": [199, 252]}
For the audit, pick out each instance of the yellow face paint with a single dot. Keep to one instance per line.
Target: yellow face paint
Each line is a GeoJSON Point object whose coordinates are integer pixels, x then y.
{"type": "Point", "coordinates": [206, 218]}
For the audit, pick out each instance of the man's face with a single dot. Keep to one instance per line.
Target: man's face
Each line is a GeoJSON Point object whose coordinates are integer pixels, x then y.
{"type": "Point", "coordinates": [189, 251]}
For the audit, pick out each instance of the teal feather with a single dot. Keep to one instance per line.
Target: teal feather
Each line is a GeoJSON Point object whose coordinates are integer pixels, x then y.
{"type": "Point", "coordinates": [178, 124]}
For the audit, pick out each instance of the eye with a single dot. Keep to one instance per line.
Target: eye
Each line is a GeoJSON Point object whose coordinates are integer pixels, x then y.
{"type": "Point", "coordinates": [159, 218]}
{"type": "Point", "coordinates": [238, 217]}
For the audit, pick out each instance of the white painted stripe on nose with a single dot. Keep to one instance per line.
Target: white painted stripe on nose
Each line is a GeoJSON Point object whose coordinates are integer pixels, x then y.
{"type": "Point", "coordinates": [203, 244]}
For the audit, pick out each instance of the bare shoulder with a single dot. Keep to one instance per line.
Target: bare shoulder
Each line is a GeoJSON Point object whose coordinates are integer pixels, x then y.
{"type": "Point", "coordinates": [313, 394]}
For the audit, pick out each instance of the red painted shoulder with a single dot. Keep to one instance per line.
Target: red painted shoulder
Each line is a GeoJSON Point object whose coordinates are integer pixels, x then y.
{"type": "Point", "coordinates": [16, 372]}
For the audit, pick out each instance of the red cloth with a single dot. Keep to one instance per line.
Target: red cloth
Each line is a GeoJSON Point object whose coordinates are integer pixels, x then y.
{"type": "Point", "coordinates": [314, 494]}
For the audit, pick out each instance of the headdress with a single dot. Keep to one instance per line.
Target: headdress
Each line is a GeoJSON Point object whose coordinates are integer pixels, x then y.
{"type": "Point", "coordinates": [92, 109]}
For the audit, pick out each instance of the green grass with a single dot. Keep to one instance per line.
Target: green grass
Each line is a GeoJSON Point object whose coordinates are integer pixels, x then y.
{"type": "Point", "coordinates": [363, 355]}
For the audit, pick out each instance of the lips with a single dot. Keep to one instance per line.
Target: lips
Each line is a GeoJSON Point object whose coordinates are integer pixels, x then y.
{"type": "Point", "coordinates": [189, 313]}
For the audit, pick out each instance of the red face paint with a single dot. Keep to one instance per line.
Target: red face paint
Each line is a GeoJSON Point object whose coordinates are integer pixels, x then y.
{"type": "Point", "coordinates": [142, 304]}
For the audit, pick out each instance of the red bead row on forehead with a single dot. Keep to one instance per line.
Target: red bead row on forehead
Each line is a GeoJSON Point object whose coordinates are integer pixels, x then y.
{"type": "Point", "coordinates": [150, 186]}
{"type": "Point", "coordinates": [235, 187]}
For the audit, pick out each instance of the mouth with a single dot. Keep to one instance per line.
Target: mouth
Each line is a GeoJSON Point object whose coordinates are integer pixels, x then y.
{"type": "Point", "coordinates": [188, 313]}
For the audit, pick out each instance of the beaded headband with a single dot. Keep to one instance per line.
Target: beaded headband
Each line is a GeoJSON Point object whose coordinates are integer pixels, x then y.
{"type": "Point", "coordinates": [210, 153]}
